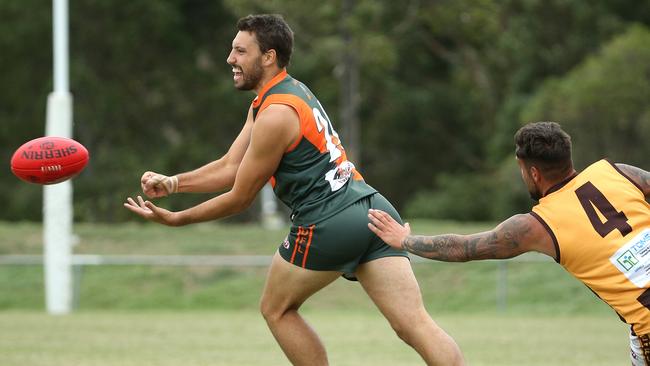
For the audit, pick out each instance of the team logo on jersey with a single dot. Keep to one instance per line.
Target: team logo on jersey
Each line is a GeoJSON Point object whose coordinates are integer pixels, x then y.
{"type": "Point", "coordinates": [633, 259]}
{"type": "Point", "coordinates": [340, 175]}
{"type": "Point", "coordinates": [627, 260]}
{"type": "Point", "coordinates": [285, 243]}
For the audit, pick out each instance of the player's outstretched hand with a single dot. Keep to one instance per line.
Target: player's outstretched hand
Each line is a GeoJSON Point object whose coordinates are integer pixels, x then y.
{"type": "Point", "coordinates": [158, 185]}
{"type": "Point", "coordinates": [389, 230]}
{"type": "Point", "coordinates": [151, 212]}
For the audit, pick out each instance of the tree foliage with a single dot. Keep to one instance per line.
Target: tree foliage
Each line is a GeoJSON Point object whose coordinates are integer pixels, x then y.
{"type": "Point", "coordinates": [605, 101]}
{"type": "Point", "coordinates": [443, 86]}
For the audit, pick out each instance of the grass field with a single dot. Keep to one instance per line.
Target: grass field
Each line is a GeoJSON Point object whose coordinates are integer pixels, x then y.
{"type": "Point", "coordinates": [156, 315]}
{"type": "Point", "coordinates": [353, 338]}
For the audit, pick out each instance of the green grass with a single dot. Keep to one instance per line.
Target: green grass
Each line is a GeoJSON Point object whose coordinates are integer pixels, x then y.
{"type": "Point", "coordinates": [147, 238]}
{"type": "Point", "coordinates": [354, 338]}
{"type": "Point", "coordinates": [158, 315]}
{"type": "Point", "coordinates": [539, 287]}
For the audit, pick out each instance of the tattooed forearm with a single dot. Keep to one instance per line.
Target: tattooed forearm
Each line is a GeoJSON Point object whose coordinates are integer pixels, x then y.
{"type": "Point", "coordinates": [502, 242]}
{"type": "Point", "coordinates": [448, 248]}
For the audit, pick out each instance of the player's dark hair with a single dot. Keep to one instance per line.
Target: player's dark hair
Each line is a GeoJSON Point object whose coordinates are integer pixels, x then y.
{"type": "Point", "coordinates": [272, 33]}
{"type": "Point", "coordinates": [546, 146]}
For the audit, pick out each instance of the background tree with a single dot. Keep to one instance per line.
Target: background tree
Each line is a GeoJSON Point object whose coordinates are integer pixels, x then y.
{"type": "Point", "coordinates": [604, 101]}
{"type": "Point", "coordinates": [442, 86]}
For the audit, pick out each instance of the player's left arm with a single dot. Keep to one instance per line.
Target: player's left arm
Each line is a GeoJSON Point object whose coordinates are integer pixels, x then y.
{"type": "Point", "coordinates": [519, 234]}
{"type": "Point", "coordinates": [273, 132]}
{"type": "Point", "coordinates": [638, 176]}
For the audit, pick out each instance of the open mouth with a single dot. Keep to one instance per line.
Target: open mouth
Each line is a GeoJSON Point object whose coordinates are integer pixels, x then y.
{"type": "Point", "coordinates": [237, 74]}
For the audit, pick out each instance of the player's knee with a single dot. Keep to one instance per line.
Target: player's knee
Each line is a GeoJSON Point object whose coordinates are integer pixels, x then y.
{"type": "Point", "coordinates": [409, 328]}
{"type": "Point", "coordinates": [403, 331]}
{"type": "Point", "coordinates": [426, 337]}
{"type": "Point", "coordinates": [405, 335]}
{"type": "Point", "coordinates": [273, 311]}
{"type": "Point", "coordinates": [266, 309]}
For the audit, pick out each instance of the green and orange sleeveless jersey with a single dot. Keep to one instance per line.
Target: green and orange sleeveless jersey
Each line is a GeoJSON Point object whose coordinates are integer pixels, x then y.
{"type": "Point", "coordinates": [600, 223]}
{"type": "Point", "coordinates": [314, 178]}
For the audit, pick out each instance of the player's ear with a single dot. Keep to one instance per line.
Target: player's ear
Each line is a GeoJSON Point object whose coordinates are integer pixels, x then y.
{"type": "Point", "coordinates": [535, 174]}
{"type": "Point", "coordinates": [269, 57]}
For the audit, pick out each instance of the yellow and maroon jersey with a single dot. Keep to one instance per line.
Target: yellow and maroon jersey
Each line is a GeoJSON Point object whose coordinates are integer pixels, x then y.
{"type": "Point", "coordinates": [600, 223]}
{"type": "Point", "coordinates": [314, 178]}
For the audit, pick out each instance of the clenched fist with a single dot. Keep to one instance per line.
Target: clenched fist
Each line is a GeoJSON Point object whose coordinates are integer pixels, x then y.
{"type": "Point", "coordinates": [158, 185]}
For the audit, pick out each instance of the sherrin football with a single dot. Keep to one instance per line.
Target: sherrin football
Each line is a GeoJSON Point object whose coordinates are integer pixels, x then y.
{"type": "Point", "coordinates": [49, 160]}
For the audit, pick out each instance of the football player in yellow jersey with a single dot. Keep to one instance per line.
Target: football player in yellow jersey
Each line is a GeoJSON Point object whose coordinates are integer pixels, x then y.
{"type": "Point", "coordinates": [289, 140]}
{"type": "Point", "coordinates": [595, 223]}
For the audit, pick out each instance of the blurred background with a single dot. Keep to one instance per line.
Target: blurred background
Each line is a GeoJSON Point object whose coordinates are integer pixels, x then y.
{"type": "Point", "coordinates": [426, 95]}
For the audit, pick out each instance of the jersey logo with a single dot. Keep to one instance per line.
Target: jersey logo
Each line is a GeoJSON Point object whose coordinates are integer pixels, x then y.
{"type": "Point", "coordinates": [633, 259]}
{"type": "Point", "coordinates": [340, 175]}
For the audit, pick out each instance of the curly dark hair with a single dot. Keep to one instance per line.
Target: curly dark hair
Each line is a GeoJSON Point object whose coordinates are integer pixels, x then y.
{"type": "Point", "coordinates": [272, 33]}
{"type": "Point", "coordinates": [546, 146]}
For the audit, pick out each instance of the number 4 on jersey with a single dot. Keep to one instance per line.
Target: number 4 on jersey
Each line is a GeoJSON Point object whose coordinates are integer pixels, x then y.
{"type": "Point", "coordinates": [591, 199]}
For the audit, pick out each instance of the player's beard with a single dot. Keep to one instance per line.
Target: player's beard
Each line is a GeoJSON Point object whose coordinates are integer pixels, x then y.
{"type": "Point", "coordinates": [533, 191]}
{"type": "Point", "coordinates": [535, 194]}
{"type": "Point", "coordinates": [250, 79]}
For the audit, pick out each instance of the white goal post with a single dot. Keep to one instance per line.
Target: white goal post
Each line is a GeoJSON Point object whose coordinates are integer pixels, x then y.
{"type": "Point", "coordinates": [57, 198]}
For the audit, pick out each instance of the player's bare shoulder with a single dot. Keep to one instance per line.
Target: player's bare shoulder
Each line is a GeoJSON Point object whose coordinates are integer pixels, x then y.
{"type": "Point", "coordinates": [279, 111]}
{"type": "Point", "coordinates": [637, 175]}
{"type": "Point", "coordinates": [280, 124]}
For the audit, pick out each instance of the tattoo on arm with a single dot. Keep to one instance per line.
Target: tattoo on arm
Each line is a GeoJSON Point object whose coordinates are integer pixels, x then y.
{"type": "Point", "coordinates": [505, 241]}
{"type": "Point", "coordinates": [638, 176]}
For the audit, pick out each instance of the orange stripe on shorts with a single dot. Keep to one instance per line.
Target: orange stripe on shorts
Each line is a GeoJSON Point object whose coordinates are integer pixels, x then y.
{"type": "Point", "coordinates": [304, 257]}
{"type": "Point", "coordinates": [302, 232]}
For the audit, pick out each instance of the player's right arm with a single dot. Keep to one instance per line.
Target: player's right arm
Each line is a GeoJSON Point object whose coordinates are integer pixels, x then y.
{"type": "Point", "coordinates": [638, 176]}
{"type": "Point", "coordinates": [216, 176]}
{"type": "Point", "coordinates": [519, 234]}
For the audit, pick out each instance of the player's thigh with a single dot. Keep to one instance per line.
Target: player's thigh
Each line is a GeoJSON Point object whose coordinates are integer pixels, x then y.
{"type": "Point", "coordinates": [377, 248]}
{"type": "Point", "coordinates": [288, 286]}
{"type": "Point", "coordinates": [392, 286]}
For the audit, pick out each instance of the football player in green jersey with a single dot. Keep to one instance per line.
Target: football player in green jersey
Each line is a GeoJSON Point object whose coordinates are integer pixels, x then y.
{"type": "Point", "coordinates": [288, 139]}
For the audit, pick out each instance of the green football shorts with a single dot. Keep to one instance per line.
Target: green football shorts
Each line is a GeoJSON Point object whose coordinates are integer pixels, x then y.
{"type": "Point", "coordinates": [340, 242]}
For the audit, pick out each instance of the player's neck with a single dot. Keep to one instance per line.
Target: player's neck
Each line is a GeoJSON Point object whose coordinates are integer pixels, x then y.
{"type": "Point", "coordinates": [269, 74]}
{"type": "Point", "coordinates": [548, 186]}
